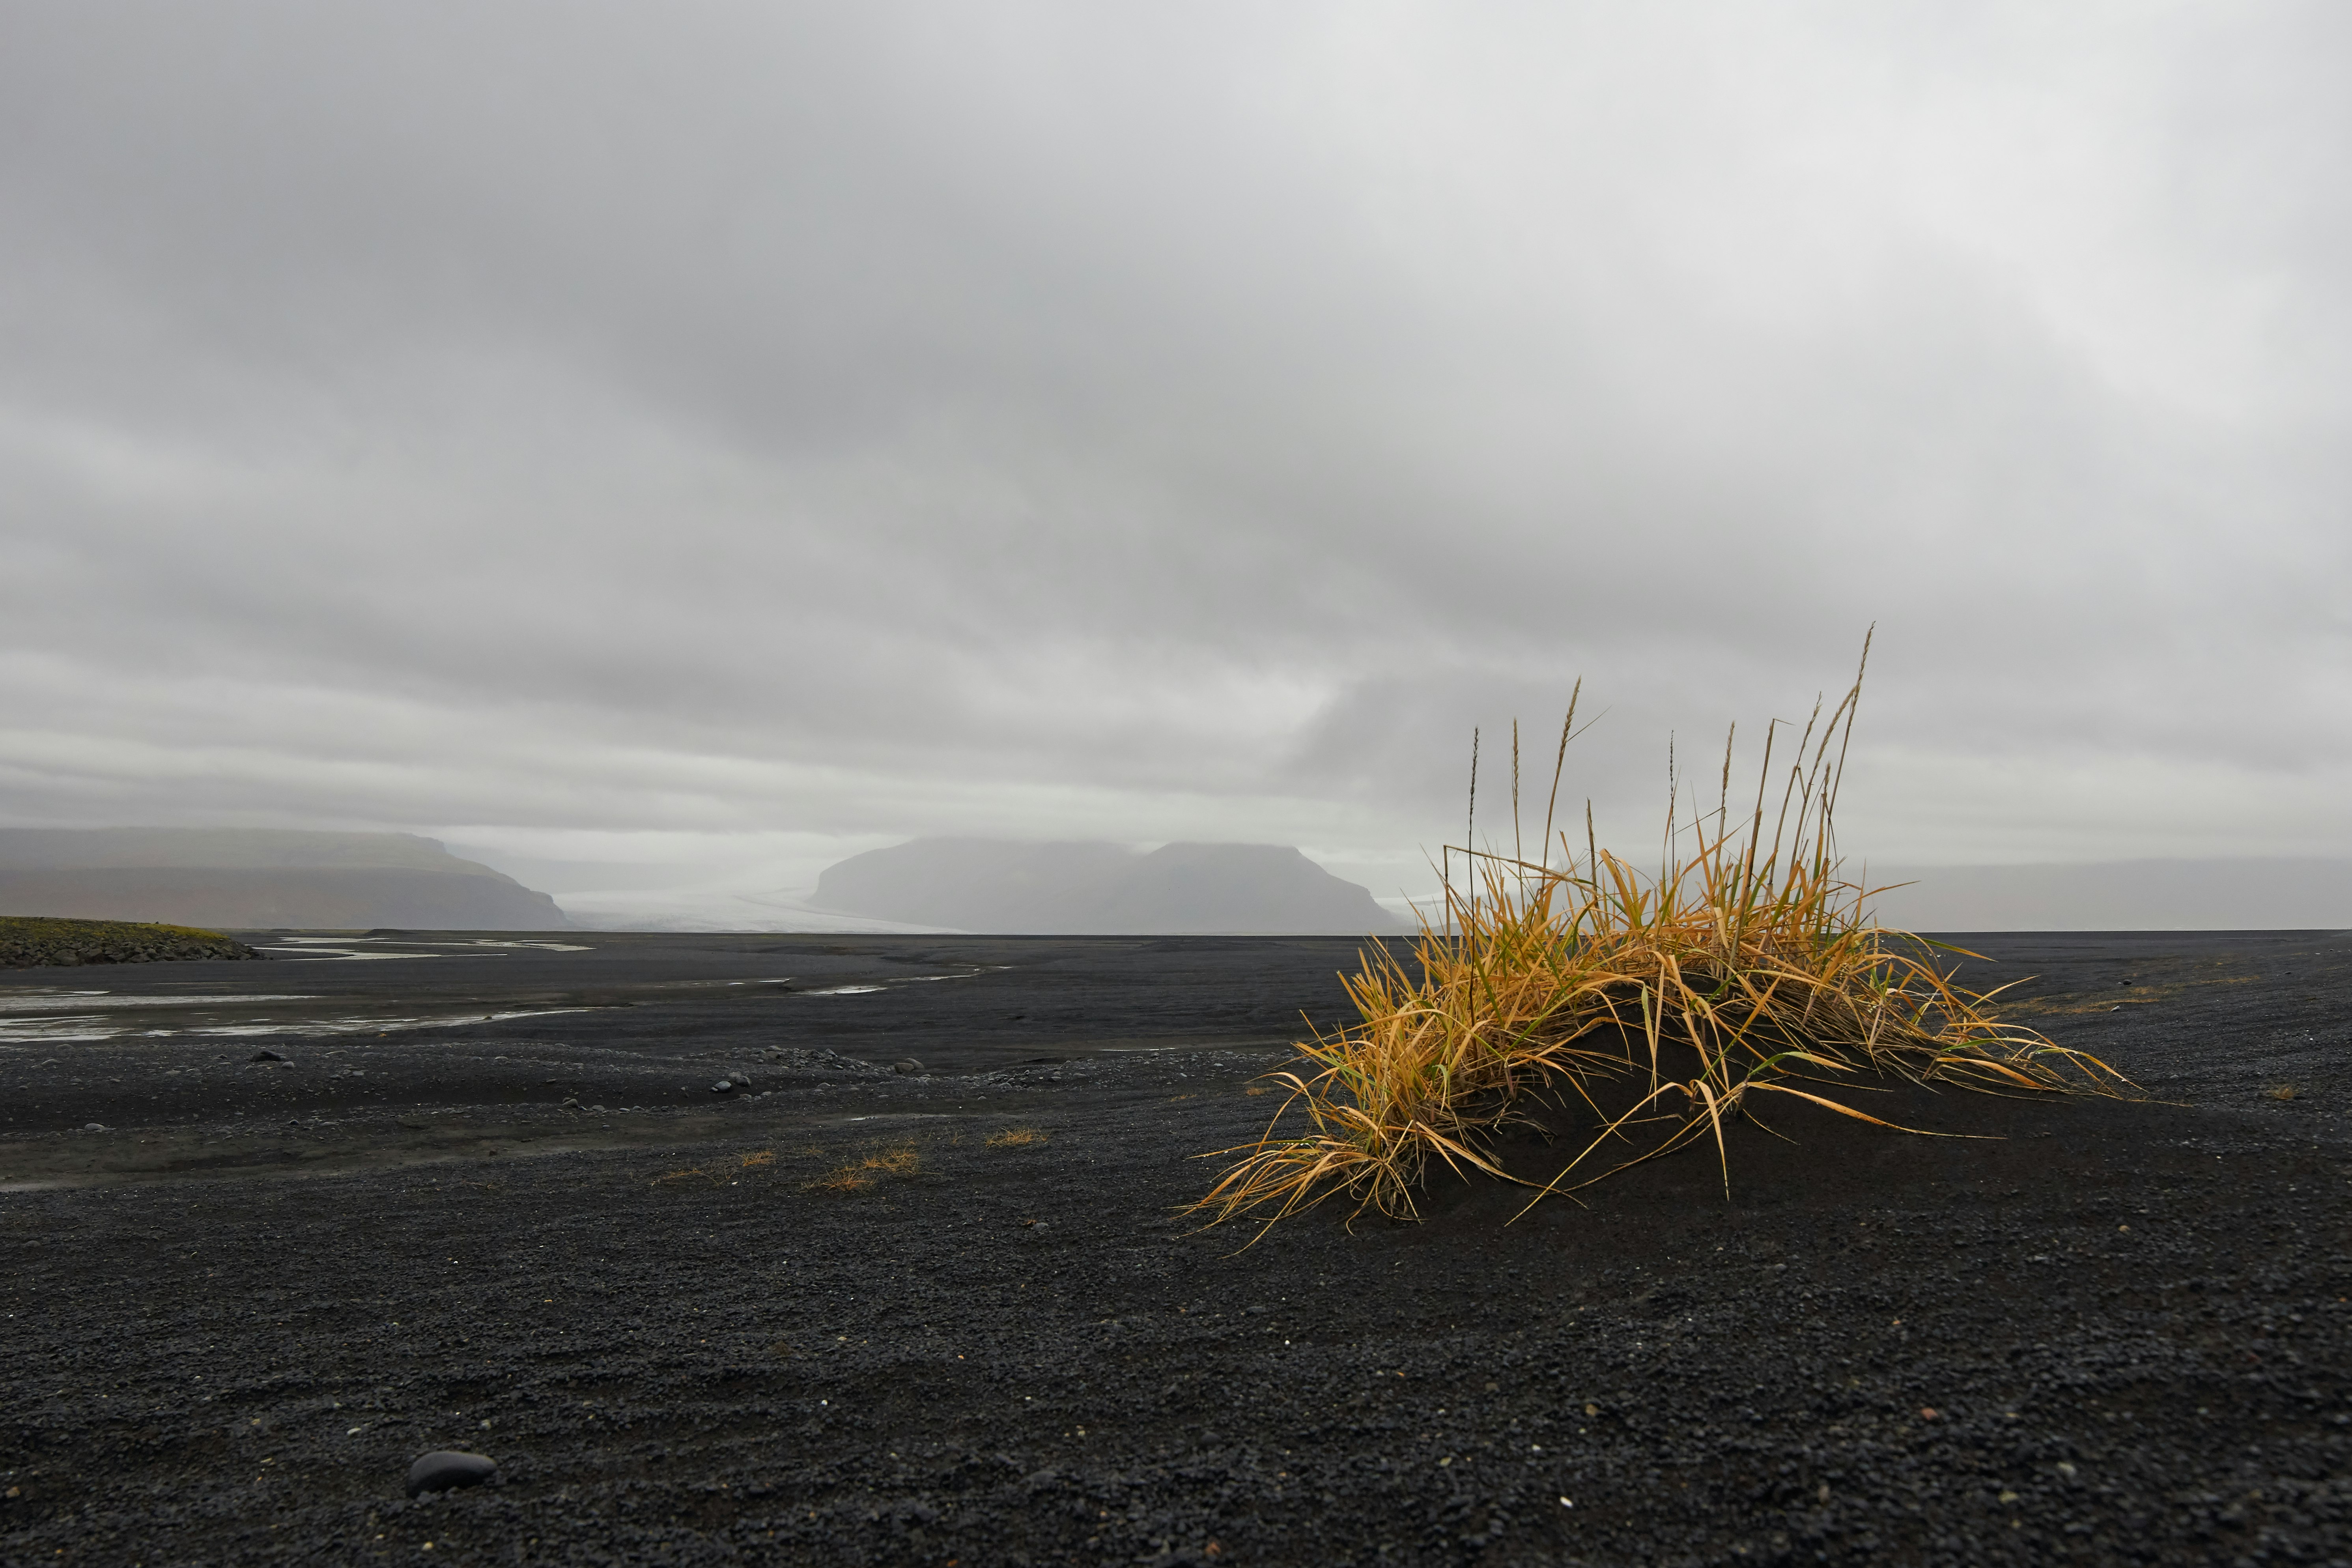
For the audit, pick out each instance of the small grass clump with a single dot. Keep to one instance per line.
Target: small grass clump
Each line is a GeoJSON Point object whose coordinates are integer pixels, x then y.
{"type": "Point", "coordinates": [1745, 967]}
{"type": "Point", "coordinates": [757, 1159]}
{"type": "Point", "coordinates": [895, 1160]}
{"type": "Point", "coordinates": [1016, 1137]}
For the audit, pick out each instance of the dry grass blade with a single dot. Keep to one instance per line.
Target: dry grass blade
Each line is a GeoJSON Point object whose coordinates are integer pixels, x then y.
{"type": "Point", "coordinates": [1748, 951]}
{"type": "Point", "coordinates": [867, 1170]}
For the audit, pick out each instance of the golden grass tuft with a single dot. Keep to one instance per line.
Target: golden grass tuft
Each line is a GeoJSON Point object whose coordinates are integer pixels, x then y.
{"type": "Point", "coordinates": [1747, 962]}
{"type": "Point", "coordinates": [848, 1179]}
{"type": "Point", "coordinates": [2284, 1092]}
{"type": "Point", "coordinates": [1016, 1137]}
{"type": "Point", "coordinates": [758, 1158]}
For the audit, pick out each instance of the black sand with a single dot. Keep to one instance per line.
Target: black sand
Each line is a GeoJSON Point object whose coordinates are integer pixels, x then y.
{"type": "Point", "coordinates": [235, 1315]}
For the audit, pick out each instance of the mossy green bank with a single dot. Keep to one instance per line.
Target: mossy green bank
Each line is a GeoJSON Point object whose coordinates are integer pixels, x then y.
{"type": "Point", "coordinates": [29, 941]}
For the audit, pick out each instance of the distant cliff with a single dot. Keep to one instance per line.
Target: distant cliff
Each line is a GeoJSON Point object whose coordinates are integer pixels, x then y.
{"type": "Point", "coordinates": [253, 879]}
{"type": "Point", "coordinates": [993, 885]}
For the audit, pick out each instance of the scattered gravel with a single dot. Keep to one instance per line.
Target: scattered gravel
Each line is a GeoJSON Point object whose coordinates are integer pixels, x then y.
{"type": "Point", "coordinates": [2115, 1333]}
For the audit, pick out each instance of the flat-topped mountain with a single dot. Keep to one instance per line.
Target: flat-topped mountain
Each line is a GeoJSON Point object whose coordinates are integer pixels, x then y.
{"type": "Point", "coordinates": [995, 885]}
{"type": "Point", "coordinates": [258, 879]}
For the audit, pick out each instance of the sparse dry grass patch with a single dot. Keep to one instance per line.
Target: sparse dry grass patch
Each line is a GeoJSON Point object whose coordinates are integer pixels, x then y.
{"type": "Point", "coordinates": [1016, 1137]}
{"type": "Point", "coordinates": [2284, 1092]}
{"type": "Point", "coordinates": [2080, 1002]}
{"type": "Point", "coordinates": [1747, 958]}
{"type": "Point", "coordinates": [813, 1167]}
{"type": "Point", "coordinates": [891, 1160]}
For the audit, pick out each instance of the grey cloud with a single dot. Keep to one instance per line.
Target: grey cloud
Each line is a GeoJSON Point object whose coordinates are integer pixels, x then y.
{"type": "Point", "coordinates": [917, 420]}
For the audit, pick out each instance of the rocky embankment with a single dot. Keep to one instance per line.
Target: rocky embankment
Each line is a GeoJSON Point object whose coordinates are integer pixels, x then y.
{"type": "Point", "coordinates": [32, 941]}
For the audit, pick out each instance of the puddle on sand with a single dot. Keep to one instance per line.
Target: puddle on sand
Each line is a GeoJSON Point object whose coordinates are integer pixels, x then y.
{"type": "Point", "coordinates": [33, 1028]}
{"type": "Point", "coordinates": [47, 1000]}
{"type": "Point", "coordinates": [895, 980]}
{"type": "Point", "coordinates": [346, 948]}
{"type": "Point", "coordinates": [361, 1026]}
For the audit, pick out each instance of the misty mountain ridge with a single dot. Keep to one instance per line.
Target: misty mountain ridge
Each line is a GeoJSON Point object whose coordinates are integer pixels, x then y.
{"type": "Point", "coordinates": [1096, 888]}
{"type": "Point", "coordinates": [260, 878]}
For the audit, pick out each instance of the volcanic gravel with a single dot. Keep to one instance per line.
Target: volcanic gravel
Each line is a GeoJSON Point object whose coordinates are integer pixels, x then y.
{"type": "Point", "coordinates": [841, 1314]}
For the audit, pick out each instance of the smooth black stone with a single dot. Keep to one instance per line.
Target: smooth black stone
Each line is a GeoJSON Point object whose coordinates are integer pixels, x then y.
{"type": "Point", "coordinates": [266, 1055]}
{"type": "Point", "coordinates": [444, 1469]}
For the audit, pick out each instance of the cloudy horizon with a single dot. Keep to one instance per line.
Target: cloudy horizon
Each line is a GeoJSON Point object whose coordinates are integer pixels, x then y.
{"type": "Point", "coordinates": [719, 439]}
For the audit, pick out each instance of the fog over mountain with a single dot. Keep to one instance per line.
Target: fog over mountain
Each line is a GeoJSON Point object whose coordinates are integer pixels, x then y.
{"type": "Point", "coordinates": [252, 879]}
{"type": "Point", "coordinates": [988, 885]}
{"type": "Point", "coordinates": [709, 441]}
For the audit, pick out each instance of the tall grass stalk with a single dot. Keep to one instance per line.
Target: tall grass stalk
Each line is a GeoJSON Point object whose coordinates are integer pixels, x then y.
{"type": "Point", "coordinates": [1747, 968]}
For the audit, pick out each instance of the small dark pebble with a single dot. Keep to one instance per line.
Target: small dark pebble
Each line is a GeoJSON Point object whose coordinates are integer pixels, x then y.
{"type": "Point", "coordinates": [444, 1469]}
{"type": "Point", "coordinates": [265, 1056]}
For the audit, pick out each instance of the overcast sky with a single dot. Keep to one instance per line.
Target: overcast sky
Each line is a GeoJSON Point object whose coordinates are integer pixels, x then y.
{"type": "Point", "coordinates": [739, 434]}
